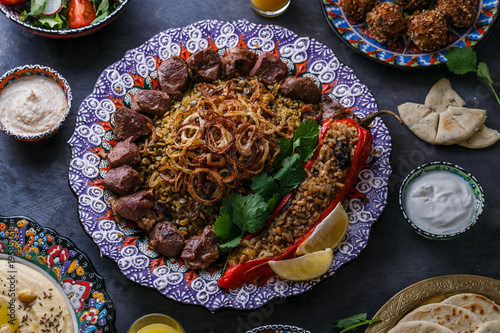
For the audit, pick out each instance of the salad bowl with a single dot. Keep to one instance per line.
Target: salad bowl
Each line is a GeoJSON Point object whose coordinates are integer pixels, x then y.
{"type": "Point", "coordinates": [58, 25]}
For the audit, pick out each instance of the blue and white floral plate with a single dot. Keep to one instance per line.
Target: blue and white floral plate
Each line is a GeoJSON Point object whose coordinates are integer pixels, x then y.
{"type": "Point", "coordinates": [404, 54]}
{"type": "Point", "coordinates": [45, 250]}
{"type": "Point", "coordinates": [93, 136]}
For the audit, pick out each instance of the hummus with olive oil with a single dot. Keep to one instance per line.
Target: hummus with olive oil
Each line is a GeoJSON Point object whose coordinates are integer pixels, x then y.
{"type": "Point", "coordinates": [32, 105]}
{"type": "Point", "coordinates": [30, 302]}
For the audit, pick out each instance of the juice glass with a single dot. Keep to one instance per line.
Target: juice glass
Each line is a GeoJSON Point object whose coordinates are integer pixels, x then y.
{"type": "Point", "coordinates": [270, 8]}
{"type": "Point", "coordinates": [156, 323]}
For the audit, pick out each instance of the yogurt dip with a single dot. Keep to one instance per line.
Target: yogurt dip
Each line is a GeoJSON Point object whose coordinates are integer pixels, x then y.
{"type": "Point", "coordinates": [440, 202]}
{"type": "Point", "coordinates": [32, 105]}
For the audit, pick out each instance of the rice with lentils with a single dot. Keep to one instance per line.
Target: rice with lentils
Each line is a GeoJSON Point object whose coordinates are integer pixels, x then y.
{"type": "Point", "coordinates": [323, 181]}
{"type": "Point", "coordinates": [175, 150]}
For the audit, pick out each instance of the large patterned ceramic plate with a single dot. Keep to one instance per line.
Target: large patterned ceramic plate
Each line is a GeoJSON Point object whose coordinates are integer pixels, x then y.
{"type": "Point", "coordinates": [404, 53]}
{"type": "Point", "coordinates": [431, 291]}
{"type": "Point", "coordinates": [23, 241]}
{"type": "Point", "coordinates": [93, 136]}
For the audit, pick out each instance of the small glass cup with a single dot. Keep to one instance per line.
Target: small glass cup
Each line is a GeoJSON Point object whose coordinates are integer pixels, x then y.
{"type": "Point", "coordinates": [270, 8]}
{"type": "Point", "coordinates": [156, 323]}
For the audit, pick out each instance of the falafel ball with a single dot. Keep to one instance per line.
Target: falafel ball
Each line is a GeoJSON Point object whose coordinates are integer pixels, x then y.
{"type": "Point", "coordinates": [357, 9]}
{"type": "Point", "coordinates": [428, 30]}
{"type": "Point", "coordinates": [460, 14]}
{"type": "Point", "coordinates": [386, 22]}
{"type": "Point", "coordinates": [414, 4]}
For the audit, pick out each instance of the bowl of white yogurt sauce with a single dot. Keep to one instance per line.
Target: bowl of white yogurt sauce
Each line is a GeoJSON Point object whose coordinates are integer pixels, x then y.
{"type": "Point", "coordinates": [34, 102]}
{"type": "Point", "coordinates": [441, 200]}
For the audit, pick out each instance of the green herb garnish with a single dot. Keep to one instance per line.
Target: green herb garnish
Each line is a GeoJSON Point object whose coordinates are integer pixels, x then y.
{"type": "Point", "coordinates": [462, 60]}
{"type": "Point", "coordinates": [247, 214]}
{"type": "Point", "coordinates": [353, 322]}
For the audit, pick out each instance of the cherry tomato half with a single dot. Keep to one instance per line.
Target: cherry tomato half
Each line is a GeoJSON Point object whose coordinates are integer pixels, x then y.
{"type": "Point", "coordinates": [12, 2]}
{"type": "Point", "coordinates": [80, 13]}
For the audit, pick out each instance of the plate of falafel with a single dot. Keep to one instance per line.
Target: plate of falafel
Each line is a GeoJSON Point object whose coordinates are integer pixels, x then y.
{"type": "Point", "coordinates": [410, 33]}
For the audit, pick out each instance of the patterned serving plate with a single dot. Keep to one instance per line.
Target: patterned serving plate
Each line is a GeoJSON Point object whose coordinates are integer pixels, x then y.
{"type": "Point", "coordinates": [278, 329]}
{"type": "Point", "coordinates": [56, 256]}
{"type": "Point", "coordinates": [431, 291]}
{"type": "Point", "coordinates": [128, 246]}
{"type": "Point", "coordinates": [404, 53]}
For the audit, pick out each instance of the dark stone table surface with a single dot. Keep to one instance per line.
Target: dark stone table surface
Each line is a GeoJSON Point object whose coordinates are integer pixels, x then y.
{"type": "Point", "coordinates": [34, 176]}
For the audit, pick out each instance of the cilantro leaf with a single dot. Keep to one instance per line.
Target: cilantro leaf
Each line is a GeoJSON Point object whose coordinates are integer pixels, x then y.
{"type": "Point", "coordinates": [306, 138]}
{"type": "Point", "coordinates": [286, 149]}
{"type": "Point", "coordinates": [273, 202]}
{"type": "Point", "coordinates": [264, 185]}
{"type": "Point", "coordinates": [252, 216]}
{"type": "Point", "coordinates": [484, 73]}
{"type": "Point", "coordinates": [291, 174]}
{"type": "Point", "coordinates": [225, 229]}
{"type": "Point", "coordinates": [353, 322]}
{"type": "Point", "coordinates": [228, 246]}
{"type": "Point", "coordinates": [461, 60]}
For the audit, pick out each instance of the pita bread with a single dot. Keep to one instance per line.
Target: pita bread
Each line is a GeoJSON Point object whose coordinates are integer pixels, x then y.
{"type": "Point", "coordinates": [489, 327]}
{"type": "Point", "coordinates": [457, 124]}
{"type": "Point", "coordinates": [419, 327]}
{"type": "Point", "coordinates": [484, 308]}
{"type": "Point", "coordinates": [456, 318]}
{"type": "Point", "coordinates": [485, 137]}
{"type": "Point", "coordinates": [452, 126]}
{"type": "Point", "coordinates": [442, 95]}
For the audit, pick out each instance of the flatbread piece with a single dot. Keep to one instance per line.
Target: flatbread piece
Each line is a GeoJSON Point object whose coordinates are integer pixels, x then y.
{"type": "Point", "coordinates": [485, 137]}
{"type": "Point", "coordinates": [457, 124]}
{"type": "Point", "coordinates": [456, 318]}
{"type": "Point", "coordinates": [483, 307]}
{"type": "Point", "coordinates": [489, 327]}
{"type": "Point", "coordinates": [419, 327]}
{"type": "Point", "coordinates": [442, 95]}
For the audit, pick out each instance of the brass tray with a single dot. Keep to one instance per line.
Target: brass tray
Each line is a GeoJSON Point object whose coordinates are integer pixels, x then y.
{"type": "Point", "coordinates": [432, 290]}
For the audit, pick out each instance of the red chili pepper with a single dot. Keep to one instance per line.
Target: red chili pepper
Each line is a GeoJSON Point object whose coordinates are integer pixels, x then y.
{"type": "Point", "coordinates": [258, 270]}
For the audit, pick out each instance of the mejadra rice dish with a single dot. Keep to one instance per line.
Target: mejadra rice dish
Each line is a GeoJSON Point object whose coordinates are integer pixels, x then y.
{"type": "Point", "coordinates": [245, 101]}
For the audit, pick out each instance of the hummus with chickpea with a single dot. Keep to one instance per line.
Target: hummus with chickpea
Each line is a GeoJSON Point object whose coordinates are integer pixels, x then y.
{"type": "Point", "coordinates": [30, 302]}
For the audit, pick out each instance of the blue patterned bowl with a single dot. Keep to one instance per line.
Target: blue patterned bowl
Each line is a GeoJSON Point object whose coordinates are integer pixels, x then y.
{"type": "Point", "coordinates": [455, 169]}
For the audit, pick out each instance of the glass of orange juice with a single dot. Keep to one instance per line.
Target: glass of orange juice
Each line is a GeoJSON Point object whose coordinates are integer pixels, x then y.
{"type": "Point", "coordinates": [270, 8]}
{"type": "Point", "coordinates": [156, 323]}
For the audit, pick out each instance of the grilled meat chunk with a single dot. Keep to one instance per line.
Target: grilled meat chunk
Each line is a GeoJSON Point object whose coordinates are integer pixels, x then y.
{"type": "Point", "coordinates": [166, 239]}
{"type": "Point", "coordinates": [173, 75]}
{"type": "Point", "coordinates": [124, 153]}
{"type": "Point", "coordinates": [238, 62]}
{"type": "Point", "coordinates": [205, 65]}
{"type": "Point", "coordinates": [332, 109]}
{"type": "Point", "coordinates": [269, 68]}
{"type": "Point", "coordinates": [201, 251]}
{"type": "Point", "coordinates": [153, 102]}
{"type": "Point", "coordinates": [122, 180]}
{"type": "Point", "coordinates": [129, 123]}
{"type": "Point", "coordinates": [302, 88]}
{"type": "Point", "coordinates": [133, 206]}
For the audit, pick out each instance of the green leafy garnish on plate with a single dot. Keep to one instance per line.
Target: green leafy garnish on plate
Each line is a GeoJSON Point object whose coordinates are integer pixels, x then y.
{"type": "Point", "coordinates": [241, 214]}
{"type": "Point", "coordinates": [463, 60]}
{"type": "Point", "coordinates": [353, 322]}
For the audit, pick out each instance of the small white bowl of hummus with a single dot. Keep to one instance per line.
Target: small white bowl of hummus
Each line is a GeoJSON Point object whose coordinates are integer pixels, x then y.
{"type": "Point", "coordinates": [441, 200]}
{"type": "Point", "coordinates": [34, 102]}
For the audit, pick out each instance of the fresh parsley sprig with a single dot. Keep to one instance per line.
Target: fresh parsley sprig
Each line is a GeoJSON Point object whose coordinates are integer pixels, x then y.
{"type": "Point", "coordinates": [353, 322]}
{"type": "Point", "coordinates": [462, 60]}
{"type": "Point", "coordinates": [241, 214]}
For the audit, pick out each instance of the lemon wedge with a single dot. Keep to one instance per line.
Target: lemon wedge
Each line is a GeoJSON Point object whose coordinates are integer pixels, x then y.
{"type": "Point", "coordinates": [328, 233]}
{"type": "Point", "coordinates": [307, 267]}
